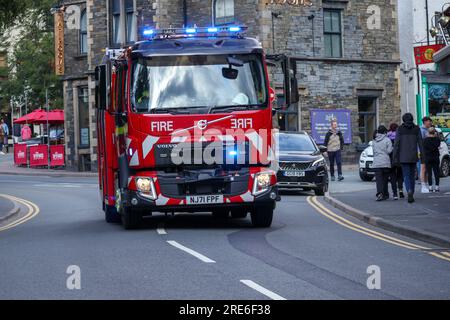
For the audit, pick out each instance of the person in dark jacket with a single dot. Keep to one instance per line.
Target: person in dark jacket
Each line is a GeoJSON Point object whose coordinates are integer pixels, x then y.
{"type": "Point", "coordinates": [431, 158]}
{"type": "Point", "coordinates": [334, 141]}
{"type": "Point", "coordinates": [407, 142]}
{"type": "Point", "coordinates": [396, 177]}
{"type": "Point", "coordinates": [382, 163]}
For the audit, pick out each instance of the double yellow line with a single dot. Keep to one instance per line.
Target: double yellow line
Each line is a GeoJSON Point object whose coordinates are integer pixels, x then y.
{"type": "Point", "coordinates": [33, 210]}
{"type": "Point", "coordinates": [371, 233]}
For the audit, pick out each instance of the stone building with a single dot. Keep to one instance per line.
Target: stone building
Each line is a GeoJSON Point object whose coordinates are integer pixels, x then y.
{"type": "Point", "coordinates": [346, 51]}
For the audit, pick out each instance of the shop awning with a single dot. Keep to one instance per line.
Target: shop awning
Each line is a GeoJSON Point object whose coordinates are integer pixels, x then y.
{"type": "Point", "coordinates": [40, 116]}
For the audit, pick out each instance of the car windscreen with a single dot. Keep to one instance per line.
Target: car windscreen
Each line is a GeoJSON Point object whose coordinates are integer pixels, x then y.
{"type": "Point", "coordinates": [296, 143]}
{"type": "Point", "coordinates": [197, 81]}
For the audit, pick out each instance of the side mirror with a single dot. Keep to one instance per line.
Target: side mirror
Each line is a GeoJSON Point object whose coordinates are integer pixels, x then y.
{"type": "Point", "coordinates": [323, 149]}
{"type": "Point", "coordinates": [230, 73]}
{"type": "Point", "coordinates": [101, 100]}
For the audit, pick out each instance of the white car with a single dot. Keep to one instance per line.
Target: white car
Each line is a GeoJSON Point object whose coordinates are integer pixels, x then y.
{"type": "Point", "coordinates": [367, 173]}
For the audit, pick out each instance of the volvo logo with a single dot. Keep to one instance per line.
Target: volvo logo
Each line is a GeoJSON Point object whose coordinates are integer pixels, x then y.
{"type": "Point", "coordinates": [202, 124]}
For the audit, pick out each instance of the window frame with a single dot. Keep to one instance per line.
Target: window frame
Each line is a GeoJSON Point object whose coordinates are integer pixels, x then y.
{"type": "Point", "coordinates": [328, 33]}
{"type": "Point", "coordinates": [83, 33]}
{"type": "Point", "coordinates": [227, 21]}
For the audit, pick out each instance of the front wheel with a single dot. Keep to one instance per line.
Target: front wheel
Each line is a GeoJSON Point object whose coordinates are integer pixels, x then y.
{"type": "Point", "coordinates": [131, 219]}
{"type": "Point", "coordinates": [445, 168]}
{"type": "Point", "coordinates": [365, 177]}
{"type": "Point", "coordinates": [321, 191]}
{"type": "Point", "coordinates": [111, 215]}
{"type": "Point", "coordinates": [239, 214]}
{"type": "Point", "coordinates": [262, 217]}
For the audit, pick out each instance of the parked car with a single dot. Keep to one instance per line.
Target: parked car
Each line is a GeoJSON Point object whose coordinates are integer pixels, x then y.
{"type": "Point", "coordinates": [447, 139]}
{"type": "Point", "coordinates": [366, 173]}
{"type": "Point", "coordinates": [302, 165]}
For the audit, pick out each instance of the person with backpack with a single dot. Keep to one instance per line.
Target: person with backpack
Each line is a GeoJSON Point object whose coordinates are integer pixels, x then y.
{"type": "Point", "coordinates": [396, 177]}
{"type": "Point", "coordinates": [382, 149]}
{"type": "Point", "coordinates": [431, 158]}
{"type": "Point", "coordinates": [407, 141]}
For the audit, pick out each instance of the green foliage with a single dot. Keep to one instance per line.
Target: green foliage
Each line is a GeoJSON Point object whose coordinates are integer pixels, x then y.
{"type": "Point", "coordinates": [31, 64]}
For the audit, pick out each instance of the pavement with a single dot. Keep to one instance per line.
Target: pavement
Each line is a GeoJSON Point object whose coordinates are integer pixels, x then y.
{"type": "Point", "coordinates": [428, 219]}
{"type": "Point", "coordinates": [7, 167]}
{"type": "Point", "coordinates": [313, 251]}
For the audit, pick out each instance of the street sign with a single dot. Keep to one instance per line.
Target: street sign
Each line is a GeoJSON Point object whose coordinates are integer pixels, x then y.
{"type": "Point", "coordinates": [59, 43]}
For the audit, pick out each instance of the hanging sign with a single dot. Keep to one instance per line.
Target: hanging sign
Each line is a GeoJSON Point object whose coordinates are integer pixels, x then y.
{"type": "Point", "coordinates": [304, 3]}
{"type": "Point", "coordinates": [59, 43]}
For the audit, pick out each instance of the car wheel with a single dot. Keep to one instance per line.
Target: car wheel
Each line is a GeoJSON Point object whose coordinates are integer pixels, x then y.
{"type": "Point", "coordinates": [131, 219]}
{"type": "Point", "coordinates": [262, 217]}
{"type": "Point", "coordinates": [321, 191]}
{"type": "Point", "coordinates": [445, 167]}
{"type": "Point", "coordinates": [365, 177]}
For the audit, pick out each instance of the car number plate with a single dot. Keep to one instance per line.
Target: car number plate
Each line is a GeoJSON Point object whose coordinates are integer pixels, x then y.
{"type": "Point", "coordinates": [294, 173]}
{"type": "Point", "coordinates": [209, 199]}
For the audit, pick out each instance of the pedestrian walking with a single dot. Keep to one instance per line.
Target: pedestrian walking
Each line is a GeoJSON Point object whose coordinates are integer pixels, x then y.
{"type": "Point", "coordinates": [396, 177]}
{"type": "Point", "coordinates": [427, 123]}
{"type": "Point", "coordinates": [407, 141]}
{"type": "Point", "coordinates": [431, 158]}
{"type": "Point", "coordinates": [6, 131]}
{"type": "Point", "coordinates": [334, 141]}
{"type": "Point", "coordinates": [382, 150]}
{"type": "Point", "coordinates": [2, 139]}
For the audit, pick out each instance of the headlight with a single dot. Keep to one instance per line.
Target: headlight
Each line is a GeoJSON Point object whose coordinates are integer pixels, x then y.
{"type": "Point", "coordinates": [364, 154]}
{"type": "Point", "coordinates": [146, 187]}
{"type": "Point", "coordinates": [319, 163]}
{"type": "Point", "coordinates": [262, 183]}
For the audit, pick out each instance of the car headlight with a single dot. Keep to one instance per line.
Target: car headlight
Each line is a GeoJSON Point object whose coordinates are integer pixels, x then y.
{"type": "Point", "coordinates": [263, 181]}
{"type": "Point", "coordinates": [318, 163]}
{"type": "Point", "coordinates": [364, 154]}
{"type": "Point", "coordinates": [146, 187]}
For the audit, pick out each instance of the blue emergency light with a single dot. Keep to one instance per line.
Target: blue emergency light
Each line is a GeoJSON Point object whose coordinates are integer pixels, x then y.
{"type": "Point", "coordinates": [198, 32]}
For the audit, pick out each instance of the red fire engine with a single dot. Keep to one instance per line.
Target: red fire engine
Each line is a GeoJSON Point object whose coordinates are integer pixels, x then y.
{"type": "Point", "coordinates": [185, 125]}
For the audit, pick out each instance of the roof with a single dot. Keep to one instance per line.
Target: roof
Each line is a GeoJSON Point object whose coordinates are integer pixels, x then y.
{"type": "Point", "coordinates": [197, 46]}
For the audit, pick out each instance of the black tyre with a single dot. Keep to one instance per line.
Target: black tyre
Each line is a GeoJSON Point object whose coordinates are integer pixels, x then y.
{"type": "Point", "coordinates": [131, 219]}
{"type": "Point", "coordinates": [445, 168]}
{"type": "Point", "coordinates": [239, 214]}
{"type": "Point", "coordinates": [365, 177]}
{"type": "Point", "coordinates": [221, 214]}
{"type": "Point", "coordinates": [111, 215]}
{"type": "Point", "coordinates": [321, 191]}
{"type": "Point", "coordinates": [262, 217]}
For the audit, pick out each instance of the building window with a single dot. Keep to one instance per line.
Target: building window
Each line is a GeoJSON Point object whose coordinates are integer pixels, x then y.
{"type": "Point", "coordinates": [223, 12]}
{"type": "Point", "coordinates": [83, 117]}
{"type": "Point", "coordinates": [332, 33]}
{"type": "Point", "coordinates": [130, 21]}
{"type": "Point", "coordinates": [439, 104]}
{"type": "Point", "coordinates": [116, 39]}
{"type": "Point", "coordinates": [83, 33]}
{"type": "Point", "coordinates": [124, 29]}
{"type": "Point", "coordinates": [367, 118]}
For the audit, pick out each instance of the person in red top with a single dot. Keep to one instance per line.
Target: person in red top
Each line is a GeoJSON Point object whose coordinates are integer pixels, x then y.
{"type": "Point", "coordinates": [26, 133]}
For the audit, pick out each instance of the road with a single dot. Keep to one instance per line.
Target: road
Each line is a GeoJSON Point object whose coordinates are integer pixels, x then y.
{"type": "Point", "coordinates": [311, 252]}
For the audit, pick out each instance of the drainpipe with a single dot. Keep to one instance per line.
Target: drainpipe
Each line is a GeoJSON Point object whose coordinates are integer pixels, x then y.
{"type": "Point", "coordinates": [185, 17]}
{"type": "Point", "coordinates": [428, 22]}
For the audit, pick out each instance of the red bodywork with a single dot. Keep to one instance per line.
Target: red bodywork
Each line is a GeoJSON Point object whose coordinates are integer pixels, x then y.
{"type": "Point", "coordinates": [142, 132]}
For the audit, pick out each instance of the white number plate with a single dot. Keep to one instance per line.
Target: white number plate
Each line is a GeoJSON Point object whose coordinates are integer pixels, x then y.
{"type": "Point", "coordinates": [210, 199]}
{"type": "Point", "coordinates": [294, 174]}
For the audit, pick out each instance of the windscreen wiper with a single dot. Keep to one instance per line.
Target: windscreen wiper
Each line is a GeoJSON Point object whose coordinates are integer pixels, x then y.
{"type": "Point", "coordinates": [234, 108]}
{"type": "Point", "coordinates": [181, 110]}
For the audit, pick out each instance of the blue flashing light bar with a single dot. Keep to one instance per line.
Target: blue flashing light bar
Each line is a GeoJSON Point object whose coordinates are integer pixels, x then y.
{"type": "Point", "coordinates": [198, 32]}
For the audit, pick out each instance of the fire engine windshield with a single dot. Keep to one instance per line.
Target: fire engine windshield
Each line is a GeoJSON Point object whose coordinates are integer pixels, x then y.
{"type": "Point", "coordinates": [186, 82]}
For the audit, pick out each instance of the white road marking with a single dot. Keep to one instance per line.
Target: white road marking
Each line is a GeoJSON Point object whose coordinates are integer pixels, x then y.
{"type": "Point", "coordinates": [161, 231]}
{"type": "Point", "coordinates": [191, 252]}
{"type": "Point", "coordinates": [264, 291]}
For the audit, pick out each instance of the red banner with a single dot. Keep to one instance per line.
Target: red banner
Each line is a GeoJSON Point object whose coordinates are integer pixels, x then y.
{"type": "Point", "coordinates": [20, 154]}
{"type": "Point", "coordinates": [39, 156]}
{"type": "Point", "coordinates": [424, 54]}
{"type": "Point", "coordinates": [57, 156]}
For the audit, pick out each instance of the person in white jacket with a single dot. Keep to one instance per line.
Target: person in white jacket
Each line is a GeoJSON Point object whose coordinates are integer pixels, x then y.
{"type": "Point", "coordinates": [382, 149]}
